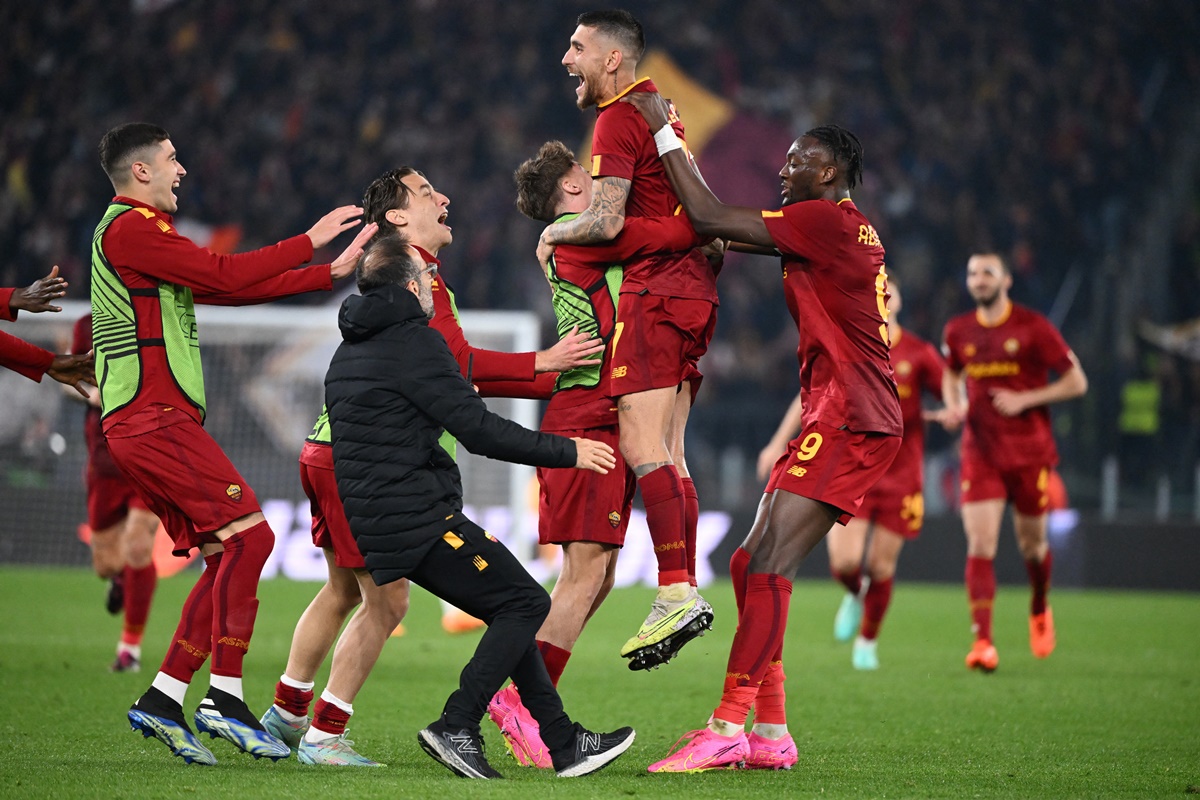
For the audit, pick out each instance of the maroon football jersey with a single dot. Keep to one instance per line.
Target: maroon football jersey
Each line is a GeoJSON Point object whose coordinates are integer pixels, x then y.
{"type": "Point", "coordinates": [835, 287]}
{"type": "Point", "coordinates": [918, 368]}
{"type": "Point", "coordinates": [623, 147]}
{"type": "Point", "coordinates": [1016, 353]}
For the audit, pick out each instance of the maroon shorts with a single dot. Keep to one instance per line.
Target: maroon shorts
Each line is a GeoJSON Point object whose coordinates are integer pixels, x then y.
{"type": "Point", "coordinates": [577, 505]}
{"type": "Point", "coordinates": [833, 466]}
{"type": "Point", "coordinates": [182, 474]}
{"type": "Point", "coordinates": [1027, 487]}
{"type": "Point", "coordinates": [900, 513]}
{"type": "Point", "coordinates": [658, 342]}
{"type": "Point", "coordinates": [110, 496]}
{"type": "Point", "coordinates": [330, 529]}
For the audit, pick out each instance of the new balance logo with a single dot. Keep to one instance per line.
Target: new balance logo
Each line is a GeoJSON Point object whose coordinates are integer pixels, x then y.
{"type": "Point", "coordinates": [798, 471]}
{"type": "Point", "coordinates": [463, 744]}
{"type": "Point", "coordinates": [589, 742]}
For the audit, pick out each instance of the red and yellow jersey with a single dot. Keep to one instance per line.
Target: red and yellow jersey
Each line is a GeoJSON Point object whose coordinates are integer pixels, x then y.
{"type": "Point", "coordinates": [623, 147]}
{"type": "Point", "coordinates": [835, 287]}
{"type": "Point", "coordinates": [1017, 353]}
{"type": "Point", "coordinates": [918, 369]}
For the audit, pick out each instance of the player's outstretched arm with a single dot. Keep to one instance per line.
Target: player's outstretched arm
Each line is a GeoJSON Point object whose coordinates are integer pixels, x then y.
{"type": "Point", "coordinates": [329, 226]}
{"type": "Point", "coordinates": [573, 350]}
{"type": "Point", "coordinates": [74, 370]}
{"type": "Point", "coordinates": [37, 297]}
{"type": "Point", "coordinates": [593, 456]}
{"type": "Point", "coordinates": [708, 214]}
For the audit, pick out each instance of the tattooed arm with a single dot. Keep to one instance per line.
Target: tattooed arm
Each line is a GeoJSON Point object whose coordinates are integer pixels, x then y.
{"type": "Point", "coordinates": [602, 221]}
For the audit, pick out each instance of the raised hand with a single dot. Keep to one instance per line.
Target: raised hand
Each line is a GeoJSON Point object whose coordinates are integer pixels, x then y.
{"type": "Point", "coordinates": [593, 455]}
{"type": "Point", "coordinates": [329, 226]}
{"type": "Point", "coordinates": [344, 264]}
{"type": "Point", "coordinates": [573, 350]}
{"type": "Point", "coordinates": [653, 107]}
{"type": "Point", "coordinates": [37, 296]}
{"type": "Point", "coordinates": [544, 251]}
{"type": "Point", "coordinates": [74, 370]}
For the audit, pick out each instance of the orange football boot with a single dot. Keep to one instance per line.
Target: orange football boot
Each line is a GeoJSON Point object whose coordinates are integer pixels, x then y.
{"type": "Point", "coordinates": [983, 656]}
{"type": "Point", "coordinates": [1041, 633]}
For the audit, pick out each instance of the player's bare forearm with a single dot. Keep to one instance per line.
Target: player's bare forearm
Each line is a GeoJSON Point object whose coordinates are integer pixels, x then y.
{"type": "Point", "coordinates": [955, 398]}
{"type": "Point", "coordinates": [753, 249]}
{"type": "Point", "coordinates": [709, 216]}
{"type": "Point", "coordinates": [603, 220]}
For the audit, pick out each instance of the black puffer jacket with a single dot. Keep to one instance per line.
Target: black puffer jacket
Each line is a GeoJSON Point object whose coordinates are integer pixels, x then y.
{"type": "Point", "coordinates": [391, 388]}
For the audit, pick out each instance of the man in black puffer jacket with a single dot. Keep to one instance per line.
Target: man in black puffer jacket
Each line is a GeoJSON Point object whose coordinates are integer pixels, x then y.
{"type": "Point", "coordinates": [391, 389]}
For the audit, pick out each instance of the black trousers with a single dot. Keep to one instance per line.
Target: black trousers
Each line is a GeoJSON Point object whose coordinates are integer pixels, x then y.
{"type": "Point", "coordinates": [479, 575]}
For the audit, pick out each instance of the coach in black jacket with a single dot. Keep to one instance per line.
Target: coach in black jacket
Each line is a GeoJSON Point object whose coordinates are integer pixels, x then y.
{"type": "Point", "coordinates": [391, 389]}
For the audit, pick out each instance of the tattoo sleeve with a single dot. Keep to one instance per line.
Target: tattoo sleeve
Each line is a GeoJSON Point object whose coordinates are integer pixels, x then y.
{"type": "Point", "coordinates": [603, 220]}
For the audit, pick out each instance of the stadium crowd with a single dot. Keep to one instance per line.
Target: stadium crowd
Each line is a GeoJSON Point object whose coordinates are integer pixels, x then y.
{"type": "Point", "coordinates": [1015, 127]}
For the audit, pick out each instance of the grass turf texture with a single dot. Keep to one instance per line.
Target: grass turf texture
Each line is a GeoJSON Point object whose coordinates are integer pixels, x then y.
{"type": "Point", "coordinates": [1113, 713]}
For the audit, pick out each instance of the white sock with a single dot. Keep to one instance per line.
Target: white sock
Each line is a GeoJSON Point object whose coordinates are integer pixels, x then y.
{"type": "Point", "coordinates": [171, 687]}
{"type": "Point", "coordinates": [334, 700]}
{"type": "Point", "coordinates": [226, 684]}
{"type": "Point", "coordinates": [304, 686]}
{"type": "Point", "coordinates": [769, 731]}
{"type": "Point", "coordinates": [725, 728]}
{"type": "Point", "coordinates": [134, 650]}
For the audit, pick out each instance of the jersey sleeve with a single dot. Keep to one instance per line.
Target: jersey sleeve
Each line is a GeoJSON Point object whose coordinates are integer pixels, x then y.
{"type": "Point", "coordinates": [475, 363]}
{"type": "Point", "coordinates": [150, 246]}
{"type": "Point", "coordinates": [1051, 347]}
{"type": "Point", "coordinates": [798, 229]}
{"type": "Point", "coordinates": [6, 312]}
{"type": "Point", "coordinates": [295, 281]}
{"type": "Point", "coordinates": [616, 140]}
{"type": "Point", "coordinates": [23, 357]}
{"type": "Point", "coordinates": [540, 388]}
{"type": "Point", "coordinates": [641, 236]}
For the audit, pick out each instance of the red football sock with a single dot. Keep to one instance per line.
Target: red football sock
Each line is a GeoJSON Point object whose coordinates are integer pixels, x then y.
{"type": "Point", "coordinates": [981, 591]}
{"type": "Point", "coordinates": [759, 637]}
{"type": "Point", "coordinates": [192, 641]}
{"type": "Point", "coordinates": [1039, 580]}
{"type": "Point", "coordinates": [691, 518]}
{"type": "Point", "coordinates": [662, 495]}
{"type": "Point", "coordinates": [329, 718]}
{"type": "Point", "coordinates": [293, 700]}
{"type": "Point", "coordinates": [875, 605]}
{"type": "Point", "coordinates": [851, 580]}
{"type": "Point", "coordinates": [139, 591]}
{"type": "Point", "coordinates": [235, 603]}
{"type": "Point", "coordinates": [739, 568]}
{"type": "Point", "coordinates": [555, 658]}
{"type": "Point", "coordinates": [770, 707]}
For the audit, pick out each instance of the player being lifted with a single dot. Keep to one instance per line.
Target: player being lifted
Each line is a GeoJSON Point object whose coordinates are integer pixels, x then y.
{"type": "Point", "coordinates": [666, 313]}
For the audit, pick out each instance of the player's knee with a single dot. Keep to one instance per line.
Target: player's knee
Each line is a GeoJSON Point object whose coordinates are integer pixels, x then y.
{"type": "Point", "coordinates": [139, 552]}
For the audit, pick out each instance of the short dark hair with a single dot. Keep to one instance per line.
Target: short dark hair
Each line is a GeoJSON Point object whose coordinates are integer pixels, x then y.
{"type": "Point", "coordinates": [538, 190]}
{"type": "Point", "coordinates": [386, 192]}
{"type": "Point", "coordinates": [993, 254]}
{"type": "Point", "coordinates": [385, 261]}
{"type": "Point", "coordinates": [619, 25]}
{"type": "Point", "coordinates": [845, 148]}
{"type": "Point", "coordinates": [122, 145]}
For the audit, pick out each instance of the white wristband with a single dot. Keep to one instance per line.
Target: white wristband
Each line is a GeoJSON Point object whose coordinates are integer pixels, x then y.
{"type": "Point", "coordinates": [666, 140]}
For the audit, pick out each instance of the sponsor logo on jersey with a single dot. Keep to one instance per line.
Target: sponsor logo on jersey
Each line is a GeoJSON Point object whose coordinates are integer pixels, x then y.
{"type": "Point", "coordinates": [620, 372]}
{"type": "Point", "coordinates": [797, 470]}
{"type": "Point", "coordinates": [235, 492]}
{"type": "Point", "coordinates": [993, 369]}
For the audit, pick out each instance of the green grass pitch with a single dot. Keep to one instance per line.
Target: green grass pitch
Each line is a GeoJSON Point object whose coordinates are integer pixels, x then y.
{"type": "Point", "coordinates": [1115, 712]}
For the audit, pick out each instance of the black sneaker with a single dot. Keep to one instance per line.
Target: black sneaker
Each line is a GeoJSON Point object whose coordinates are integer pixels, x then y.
{"type": "Point", "coordinates": [114, 601]}
{"type": "Point", "coordinates": [590, 751]}
{"type": "Point", "coordinates": [460, 751]}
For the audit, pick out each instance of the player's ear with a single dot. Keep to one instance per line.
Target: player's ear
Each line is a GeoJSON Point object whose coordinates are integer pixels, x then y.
{"type": "Point", "coordinates": [397, 217]}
